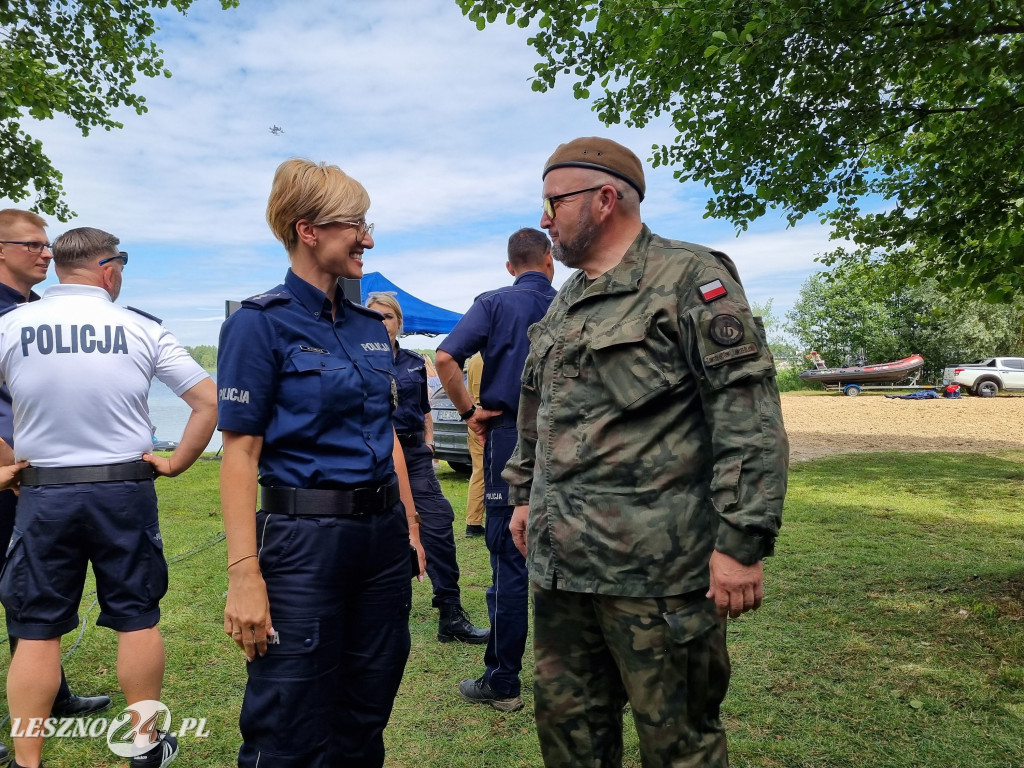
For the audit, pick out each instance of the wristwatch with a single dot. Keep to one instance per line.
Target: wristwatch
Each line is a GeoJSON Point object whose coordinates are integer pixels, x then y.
{"type": "Point", "coordinates": [467, 415]}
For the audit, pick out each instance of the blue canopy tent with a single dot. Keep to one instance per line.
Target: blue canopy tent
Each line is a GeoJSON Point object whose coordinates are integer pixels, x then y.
{"type": "Point", "coordinates": [417, 315]}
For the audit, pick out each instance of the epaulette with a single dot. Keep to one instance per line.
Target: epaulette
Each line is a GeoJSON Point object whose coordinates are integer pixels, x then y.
{"type": "Point", "coordinates": [5, 310]}
{"type": "Point", "coordinates": [264, 300]}
{"type": "Point", "coordinates": [414, 353]}
{"type": "Point", "coordinates": [365, 310]}
{"type": "Point", "coordinates": [154, 318]}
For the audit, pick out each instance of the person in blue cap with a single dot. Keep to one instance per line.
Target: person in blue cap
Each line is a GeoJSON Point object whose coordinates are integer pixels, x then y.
{"type": "Point", "coordinates": [319, 578]}
{"type": "Point", "coordinates": [415, 431]}
{"type": "Point", "coordinates": [496, 326]}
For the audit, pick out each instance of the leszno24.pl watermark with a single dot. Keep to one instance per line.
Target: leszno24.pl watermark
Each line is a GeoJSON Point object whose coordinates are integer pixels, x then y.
{"type": "Point", "coordinates": [131, 732]}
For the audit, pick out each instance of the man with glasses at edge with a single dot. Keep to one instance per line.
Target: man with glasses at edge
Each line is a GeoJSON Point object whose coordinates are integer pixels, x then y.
{"type": "Point", "coordinates": [24, 259]}
{"type": "Point", "coordinates": [79, 369]}
{"type": "Point", "coordinates": [648, 478]}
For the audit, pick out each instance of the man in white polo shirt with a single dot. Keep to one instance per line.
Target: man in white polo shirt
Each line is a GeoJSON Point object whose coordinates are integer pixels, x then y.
{"type": "Point", "coordinates": [79, 370]}
{"type": "Point", "coordinates": [24, 260]}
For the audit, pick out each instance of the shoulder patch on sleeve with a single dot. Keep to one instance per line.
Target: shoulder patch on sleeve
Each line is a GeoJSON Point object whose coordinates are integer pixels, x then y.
{"type": "Point", "coordinates": [726, 330]}
{"type": "Point", "coordinates": [264, 300]}
{"type": "Point", "coordinates": [711, 291]}
{"type": "Point", "coordinates": [154, 318]}
{"type": "Point", "coordinates": [723, 356]}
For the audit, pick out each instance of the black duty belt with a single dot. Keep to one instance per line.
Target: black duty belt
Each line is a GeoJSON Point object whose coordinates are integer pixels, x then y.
{"type": "Point", "coordinates": [315, 502]}
{"type": "Point", "coordinates": [410, 439]}
{"type": "Point", "coordinates": [505, 420]}
{"type": "Point", "coordinates": [99, 473]}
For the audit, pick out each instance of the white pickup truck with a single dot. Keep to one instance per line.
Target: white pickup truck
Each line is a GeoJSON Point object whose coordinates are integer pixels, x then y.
{"type": "Point", "coordinates": [985, 378]}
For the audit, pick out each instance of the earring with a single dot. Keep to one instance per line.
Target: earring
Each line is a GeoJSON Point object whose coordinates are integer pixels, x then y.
{"type": "Point", "coordinates": [314, 243]}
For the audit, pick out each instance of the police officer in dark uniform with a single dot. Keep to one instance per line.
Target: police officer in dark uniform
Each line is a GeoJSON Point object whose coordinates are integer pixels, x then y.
{"type": "Point", "coordinates": [318, 579]}
{"type": "Point", "coordinates": [24, 259]}
{"type": "Point", "coordinates": [496, 325]}
{"type": "Point", "coordinates": [415, 431]}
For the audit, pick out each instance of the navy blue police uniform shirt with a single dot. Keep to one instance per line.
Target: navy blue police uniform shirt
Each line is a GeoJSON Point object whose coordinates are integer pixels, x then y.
{"type": "Point", "coordinates": [496, 326]}
{"type": "Point", "coordinates": [9, 298]}
{"type": "Point", "coordinates": [320, 391]}
{"type": "Point", "coordinates": [413, 397]}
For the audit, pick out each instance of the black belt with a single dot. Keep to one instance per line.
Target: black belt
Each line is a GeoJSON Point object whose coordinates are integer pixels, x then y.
{"type": "Point", "coordinates": [316, 502]}
{"type": "Point", "coordinates": [100, 473]}
{"type": "Point", "coordinates": [410, 439]}
{"type": "Point", "coordinates": [505, 420]}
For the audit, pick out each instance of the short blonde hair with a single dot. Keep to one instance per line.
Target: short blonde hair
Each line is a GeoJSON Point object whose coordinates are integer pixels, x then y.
{"type": "Point", "coordinates": [387, 299]}
{"type": "Point", "coordinates": [10, 216]}
{"type": "Point", "coordinates": [316, 192]}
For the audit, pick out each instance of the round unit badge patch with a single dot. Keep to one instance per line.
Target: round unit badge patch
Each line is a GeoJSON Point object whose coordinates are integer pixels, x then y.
{"type": "Point", "coordinates": [726, 330]}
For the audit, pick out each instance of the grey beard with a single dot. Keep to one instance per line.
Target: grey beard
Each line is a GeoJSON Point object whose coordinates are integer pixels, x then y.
{"type": "Point", "coordinates": [574, 252]}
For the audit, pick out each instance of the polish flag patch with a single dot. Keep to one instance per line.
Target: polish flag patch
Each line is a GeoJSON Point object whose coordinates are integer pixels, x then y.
{"type": "Point", "coordinates": [711, 291]}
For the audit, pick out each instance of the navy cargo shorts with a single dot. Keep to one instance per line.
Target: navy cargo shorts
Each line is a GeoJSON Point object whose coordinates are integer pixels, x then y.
{"type": "Point", "coordinates": [58, 531]}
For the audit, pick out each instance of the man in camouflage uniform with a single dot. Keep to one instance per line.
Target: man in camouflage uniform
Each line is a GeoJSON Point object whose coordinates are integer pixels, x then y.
{"type": "Point", "coordinates": [648, 477]}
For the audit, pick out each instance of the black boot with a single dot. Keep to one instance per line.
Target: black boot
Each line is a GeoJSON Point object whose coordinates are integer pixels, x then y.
{"type": "Point", "coordinates": [454, 624]}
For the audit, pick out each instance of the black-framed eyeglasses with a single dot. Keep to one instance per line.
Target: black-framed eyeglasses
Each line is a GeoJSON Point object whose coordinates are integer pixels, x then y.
{"type": "Point", "coordinates": [122, 257]}
{"type": "Point", "coordinates": [362, 228]}
{"type": "Point", "coordinates": [549, 202]}
{"type": "Point", "coordinates": [32, 246]}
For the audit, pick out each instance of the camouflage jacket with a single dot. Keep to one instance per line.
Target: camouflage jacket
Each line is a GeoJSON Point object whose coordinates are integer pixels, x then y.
{"type": "Point", "coordinates": [650, 428]}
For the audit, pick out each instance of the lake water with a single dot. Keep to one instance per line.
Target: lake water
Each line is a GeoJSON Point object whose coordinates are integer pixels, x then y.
{"type": "Point", "coordinates": [169, 414]}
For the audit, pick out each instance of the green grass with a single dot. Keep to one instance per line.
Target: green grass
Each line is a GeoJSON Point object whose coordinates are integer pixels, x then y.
{"type": "Point", "coordinates": [892, 632]}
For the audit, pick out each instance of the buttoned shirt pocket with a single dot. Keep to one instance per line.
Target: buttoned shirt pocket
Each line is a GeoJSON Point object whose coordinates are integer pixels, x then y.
{"type": "Point", "coordinates": [313, 382]}
{"type": "Point", "coordinates": [387, 374]}
{"type": "Point", "coordinates": [541, 342]}
{"type": "Point", "coordinates": [626, 359]}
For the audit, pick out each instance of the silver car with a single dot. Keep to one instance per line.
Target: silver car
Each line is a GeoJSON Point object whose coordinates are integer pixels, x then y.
{"type": "Point", "coordinates": [450, 434]}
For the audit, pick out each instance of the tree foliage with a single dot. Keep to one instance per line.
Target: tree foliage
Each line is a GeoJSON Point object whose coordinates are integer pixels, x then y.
{"type": "Point", "coordinates": [838, 107]}
{"type": "Point", "coordinates": [779, 341]}
{"type": "Point", "coordinates": [78, 58]}
{"type": "Point", "coordinates": [205, 355]}
{"type": "Point", "coordinates": [871, 311]}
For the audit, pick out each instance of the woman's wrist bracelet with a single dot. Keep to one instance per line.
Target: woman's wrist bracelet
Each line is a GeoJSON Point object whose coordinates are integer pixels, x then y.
{"type": "Point", "coordinates": [415, 519]}
{"type": "Point", "coordinates": [244, 557]}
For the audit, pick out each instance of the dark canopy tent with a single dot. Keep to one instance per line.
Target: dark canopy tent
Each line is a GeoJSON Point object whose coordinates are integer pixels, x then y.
{"type": "Point", "coordinates": [417, 315]}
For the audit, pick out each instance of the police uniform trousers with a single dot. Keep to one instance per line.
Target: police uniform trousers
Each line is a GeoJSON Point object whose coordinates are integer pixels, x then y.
{"type": "Point", "coordinates": [509, 593]}
{"type": "Point", "coordinates": [436, 532]}
{"type": "Point", "coordinates": [8, 508]}
{"type": "Point", "coordinates": [666, 656]}
{"type": "Point", "coordinates": [340, 593]}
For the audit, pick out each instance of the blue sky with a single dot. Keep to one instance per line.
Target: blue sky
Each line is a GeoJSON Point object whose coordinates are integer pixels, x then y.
{"type": "Point", "coordinates": [436, 119]}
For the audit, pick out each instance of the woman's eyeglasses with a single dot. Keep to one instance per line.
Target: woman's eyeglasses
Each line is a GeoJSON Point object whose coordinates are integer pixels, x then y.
{"type": "Point", "coordinates": [362, 228]}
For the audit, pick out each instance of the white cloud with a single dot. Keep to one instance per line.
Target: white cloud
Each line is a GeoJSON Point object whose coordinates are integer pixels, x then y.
{"type": "Point", "coordinates": [435, 118]}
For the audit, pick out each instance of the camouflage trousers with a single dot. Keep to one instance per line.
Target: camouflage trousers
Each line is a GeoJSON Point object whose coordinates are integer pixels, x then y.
{"type": "Point", "coordinates": [665, 656]}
